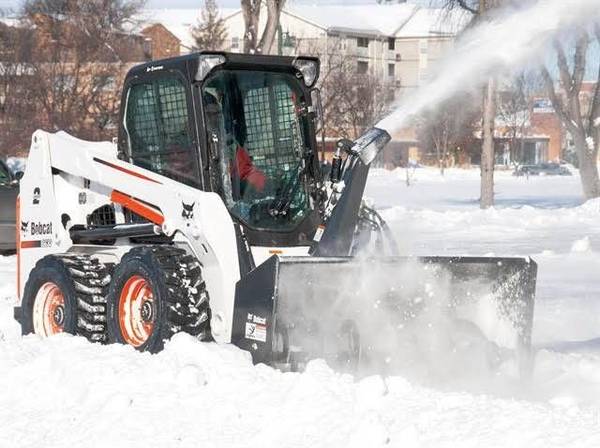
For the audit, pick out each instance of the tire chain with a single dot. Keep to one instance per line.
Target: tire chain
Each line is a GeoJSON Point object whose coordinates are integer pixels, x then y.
{"type": "Point", "coordinates": [90, 280]}
{"type": "Point", "coordinates": [188, 302]}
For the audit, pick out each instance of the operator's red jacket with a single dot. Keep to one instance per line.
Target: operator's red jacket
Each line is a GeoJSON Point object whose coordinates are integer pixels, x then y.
{"type": "Point", "coordinates": [247, 171]}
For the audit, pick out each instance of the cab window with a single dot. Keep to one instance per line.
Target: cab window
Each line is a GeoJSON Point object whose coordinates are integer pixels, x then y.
{"type": "Point", "coordinates": [258, 135]}
{"type": "Point", "coordinates": [158, 128]}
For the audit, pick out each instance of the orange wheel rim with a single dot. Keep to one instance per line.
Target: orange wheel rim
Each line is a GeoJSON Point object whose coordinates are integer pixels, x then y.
{"type": "Point", "coordinates": [136, 311]}
{"type": "Point", "coordinates": [49, 310]}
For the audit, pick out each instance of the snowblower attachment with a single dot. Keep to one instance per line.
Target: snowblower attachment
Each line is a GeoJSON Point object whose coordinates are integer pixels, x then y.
{"type": "Point", "coordinates": [369, 314]}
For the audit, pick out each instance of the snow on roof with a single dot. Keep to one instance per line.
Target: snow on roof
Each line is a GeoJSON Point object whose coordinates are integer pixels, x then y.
{"type": "Point", "coordinates": [10, 21]}
{"type": "Point", "coordinates": [377, 19]}
{"type": "Point", "coordinates": [434, 21]}
{"type": "Point", "coordinates": [401, 20]}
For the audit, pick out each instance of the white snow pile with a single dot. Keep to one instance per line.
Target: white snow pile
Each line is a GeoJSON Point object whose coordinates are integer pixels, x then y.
{"type": "Point", "coordinates": [64, 391]}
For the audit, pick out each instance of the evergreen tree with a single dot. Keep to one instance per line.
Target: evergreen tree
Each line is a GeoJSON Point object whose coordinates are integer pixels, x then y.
{"type": "Point", "coordinates": [210, 32]}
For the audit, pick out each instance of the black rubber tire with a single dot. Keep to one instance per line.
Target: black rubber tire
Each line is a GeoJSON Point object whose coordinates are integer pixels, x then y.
{"type": "Point", "coordinates": [180, 299]}
{"type": "Point", "coordinates": [82, 281]}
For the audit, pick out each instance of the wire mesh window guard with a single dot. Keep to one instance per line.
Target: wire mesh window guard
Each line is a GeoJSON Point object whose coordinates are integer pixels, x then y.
{"type": "Point", "coordinates": [159, 132]}
{"type": "Point", "coordinates": [272, 127]}
{"type": "Point", "coordinates": [260, 132]}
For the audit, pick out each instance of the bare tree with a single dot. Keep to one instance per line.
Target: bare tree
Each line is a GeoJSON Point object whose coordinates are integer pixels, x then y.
{"type": "Point", "coordinates": [16, 99]}
{"type": "Point", "coordinates": [210, 32]}
{"type": "Point", "coordinates": [352, 101]}
{"type": "Point", "coordinates": [253, 41]}
{"type": "Point", "coordinates": [449, 128]}
{"type": "Point", "coordinates": [72, 55]}
{"type": "Point", "coordinates": [332, 63]}
{"type": "Point", "coordinates": [481, 10]}
{"type": "Point", "coordinates": [581, 120]}
{"type": "Point", "coordinates": [514, 108]}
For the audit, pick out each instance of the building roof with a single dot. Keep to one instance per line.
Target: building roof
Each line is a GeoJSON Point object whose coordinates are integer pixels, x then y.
{"type": "Point", "coordinates": [434, 22]}
{"type": "Point", "coordinates": [400, 20]}
{"type": "Point", "coordinates": [375, 19]}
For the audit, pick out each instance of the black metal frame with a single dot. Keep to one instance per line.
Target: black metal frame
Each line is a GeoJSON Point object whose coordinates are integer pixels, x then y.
{"type": "Point", "coordinates": [259, 294]}
{"type": "Point", "coordinates": [185, 68]}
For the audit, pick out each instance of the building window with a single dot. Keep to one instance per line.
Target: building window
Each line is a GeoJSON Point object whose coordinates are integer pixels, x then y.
{"type": "Point", "coordinates": [235, 42]}
{"type": "Point", "coordinates": [391, 70]}
{"type": "Point", "coordinates": [391, 43]}
{"type": "Point", "coordinates": [362, 42]}
{"type": "Point", "coordinates": [362, 67]}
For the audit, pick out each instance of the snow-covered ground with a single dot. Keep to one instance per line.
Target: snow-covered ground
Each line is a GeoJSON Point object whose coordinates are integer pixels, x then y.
{"type": "Point", "coordinates": [65, 391]}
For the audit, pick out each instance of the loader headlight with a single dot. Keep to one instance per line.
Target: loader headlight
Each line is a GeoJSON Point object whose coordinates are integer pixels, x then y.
{"type": "Point", "coordinates": [309, 69]}
{"type": "Point", "coordinates": [206, 64]}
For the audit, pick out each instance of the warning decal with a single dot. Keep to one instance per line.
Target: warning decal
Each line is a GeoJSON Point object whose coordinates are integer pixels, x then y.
{"type": "Point", "coordinates": [256, 332]}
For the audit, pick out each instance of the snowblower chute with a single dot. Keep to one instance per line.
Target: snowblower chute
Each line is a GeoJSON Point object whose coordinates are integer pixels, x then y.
{"type": "Point", "coordinates": [360, 313]}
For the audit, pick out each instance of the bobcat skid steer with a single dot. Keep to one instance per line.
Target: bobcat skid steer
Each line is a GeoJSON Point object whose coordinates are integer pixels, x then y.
{"type": "Point", "coordinates": [210, 215]}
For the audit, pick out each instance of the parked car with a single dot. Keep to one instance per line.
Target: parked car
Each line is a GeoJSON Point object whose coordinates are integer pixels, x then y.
{"type": "Point", "coordinates": [9, 189]}
{"type": "Point", "coordinates": [542, 169]}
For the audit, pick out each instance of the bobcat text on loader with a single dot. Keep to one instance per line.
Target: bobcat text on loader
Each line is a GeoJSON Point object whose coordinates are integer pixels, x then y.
{"type": "Point", "coordinates": [210, 215]}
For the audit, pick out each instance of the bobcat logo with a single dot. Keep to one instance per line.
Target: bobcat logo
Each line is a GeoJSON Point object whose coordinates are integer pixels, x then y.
{"type": "Point", "coordinates": [188, 210]}
{"type": "Point", "coordinates": [24, 226]}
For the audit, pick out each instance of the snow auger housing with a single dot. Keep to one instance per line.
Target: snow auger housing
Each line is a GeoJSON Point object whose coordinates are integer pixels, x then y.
{"type": "Point", "coordinates": [211, 215]}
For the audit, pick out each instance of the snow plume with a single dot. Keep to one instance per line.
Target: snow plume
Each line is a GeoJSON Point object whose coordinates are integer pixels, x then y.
{"type": "Point", "coordinates": [411, 318]}
{"type": "Point", "coordinates": [511, 39]}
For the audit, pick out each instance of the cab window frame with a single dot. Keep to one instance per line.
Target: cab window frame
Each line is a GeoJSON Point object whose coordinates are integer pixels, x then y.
{"type": "Point", "coordinates": [196, 179]}
{"type": "Point", "coordinates": [306, 140]}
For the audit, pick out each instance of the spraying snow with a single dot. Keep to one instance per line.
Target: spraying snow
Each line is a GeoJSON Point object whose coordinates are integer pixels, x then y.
{"type": "Point", "coordinates": [506, 42]}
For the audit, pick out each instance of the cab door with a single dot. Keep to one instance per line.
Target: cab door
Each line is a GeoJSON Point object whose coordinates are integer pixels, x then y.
{"type": "Point", "coordinates": [159, 130]}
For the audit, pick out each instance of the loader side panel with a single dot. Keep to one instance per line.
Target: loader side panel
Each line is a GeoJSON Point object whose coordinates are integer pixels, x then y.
{"type": "Point", "coordinates": [40, 230]}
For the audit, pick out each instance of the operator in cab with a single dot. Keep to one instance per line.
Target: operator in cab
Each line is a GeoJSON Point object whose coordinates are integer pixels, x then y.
{"type": "Point", "coordinates": [247, 180]}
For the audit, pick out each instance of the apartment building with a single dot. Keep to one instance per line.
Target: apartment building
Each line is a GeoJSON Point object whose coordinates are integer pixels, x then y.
{"type": "Point", "coordinates": [398, 43]}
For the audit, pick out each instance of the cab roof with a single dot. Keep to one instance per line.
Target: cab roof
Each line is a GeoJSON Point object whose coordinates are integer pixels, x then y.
{"type": "Point", "coordinates": [188, 64]}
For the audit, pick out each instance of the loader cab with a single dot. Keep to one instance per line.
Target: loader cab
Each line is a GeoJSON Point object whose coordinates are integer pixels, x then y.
{"type": "Point", "coordinates": [238, 125]}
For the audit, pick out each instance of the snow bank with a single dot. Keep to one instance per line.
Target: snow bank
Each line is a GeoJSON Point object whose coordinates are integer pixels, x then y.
{"type": "Point", "coordinates": [67, 391]}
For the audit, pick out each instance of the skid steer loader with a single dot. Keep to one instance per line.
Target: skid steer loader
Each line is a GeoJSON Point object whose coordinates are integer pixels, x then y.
{"type": "Point", "coordinates": [210, 215]}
